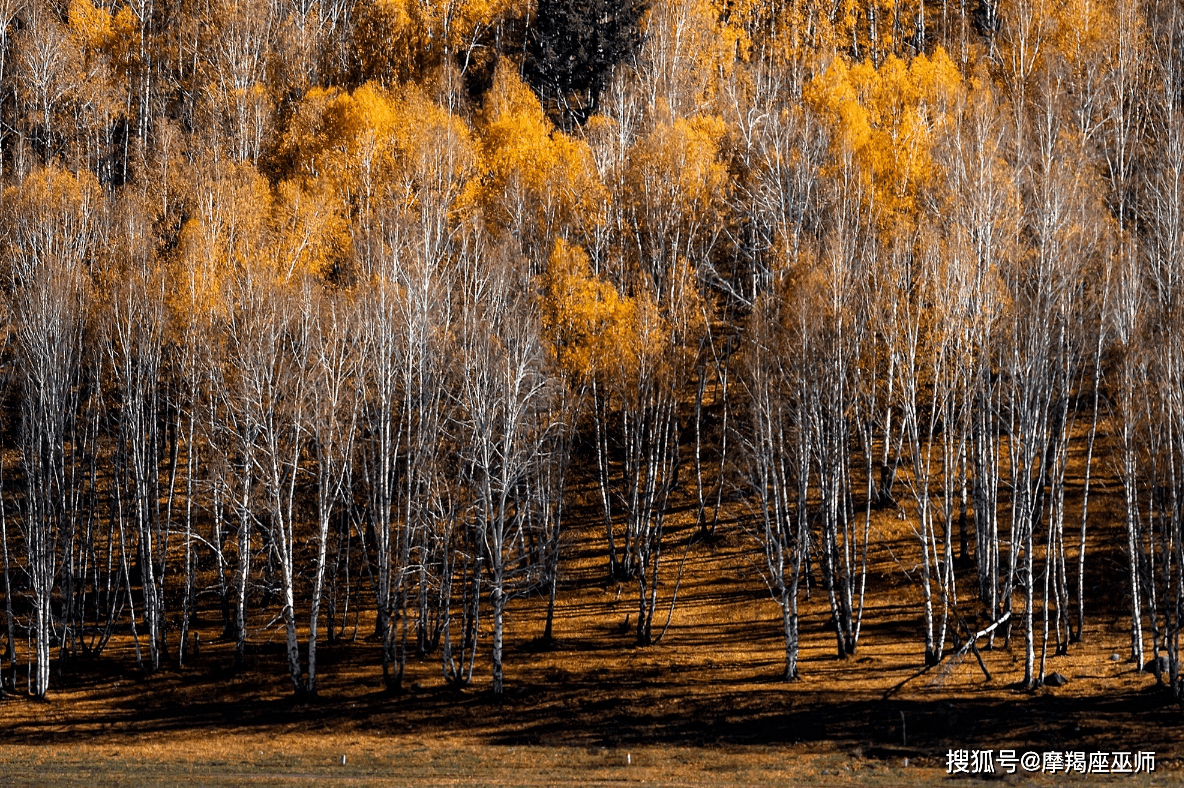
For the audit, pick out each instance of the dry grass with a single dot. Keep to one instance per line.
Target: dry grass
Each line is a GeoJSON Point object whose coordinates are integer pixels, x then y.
{"type": "Point", "coordinates": [704, 706]}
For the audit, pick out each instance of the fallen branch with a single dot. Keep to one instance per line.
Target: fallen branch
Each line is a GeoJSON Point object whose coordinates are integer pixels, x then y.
{"type": "Point", "coordinates": [973, 645]}
{"type": "Point", "coordinates": [969, 645]}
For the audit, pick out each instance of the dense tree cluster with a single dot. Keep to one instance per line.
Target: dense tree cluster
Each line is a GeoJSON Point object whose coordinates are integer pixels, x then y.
{"type": "Point", "coordinates": [314, 308]}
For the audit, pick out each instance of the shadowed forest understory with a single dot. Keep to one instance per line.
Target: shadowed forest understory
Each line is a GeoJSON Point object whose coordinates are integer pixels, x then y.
{"type": "Point", "coordinates": [714, 681]}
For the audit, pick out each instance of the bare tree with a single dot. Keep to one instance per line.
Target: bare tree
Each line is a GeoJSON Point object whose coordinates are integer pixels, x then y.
{"type": "Point", "coordinates": [506, 395]}
{"type": "Point", "coordinates": [54, 224]}
{"type": "Point", "coordinates": [779, 451]}
{"type": "Point", "coordinates": [335, 395]}
{"type": "Point", "coordinates": [268, 349]}
{"type": "Point", "coordinates": [137, 326]}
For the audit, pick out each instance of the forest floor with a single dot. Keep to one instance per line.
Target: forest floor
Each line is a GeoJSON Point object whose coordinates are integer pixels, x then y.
{"type": "Point", "coordinates": [705, 705]}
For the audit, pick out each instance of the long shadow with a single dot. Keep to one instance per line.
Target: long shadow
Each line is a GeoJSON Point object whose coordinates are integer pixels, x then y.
{"type": "Point", "coordinates": [585, 711]}
{"type": "Point", "coordinates": [649, 703]}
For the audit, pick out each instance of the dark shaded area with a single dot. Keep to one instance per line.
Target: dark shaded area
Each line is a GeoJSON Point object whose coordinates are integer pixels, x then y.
{"type": "Point", "coordinates": [571, 50]}
{"type": "Point", "coordinates": [652, 704]}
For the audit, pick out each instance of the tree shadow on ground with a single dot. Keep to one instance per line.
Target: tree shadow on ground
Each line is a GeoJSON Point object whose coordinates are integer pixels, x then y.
{"type": "Point", "coordinates": [652, 707]}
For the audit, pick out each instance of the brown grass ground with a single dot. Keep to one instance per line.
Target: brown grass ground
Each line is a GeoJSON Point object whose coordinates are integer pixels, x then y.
{"type": "Point", "coordinates": [704, 706]}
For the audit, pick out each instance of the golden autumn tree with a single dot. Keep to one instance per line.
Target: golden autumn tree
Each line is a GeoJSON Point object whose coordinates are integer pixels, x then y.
{"type": "Point", "coordinates": [541, 183]}
{"type": "Point", "coordinates": [883, 121]}
{"type": "Point", "coordinates": [689, 46]}
{"type": "Point", "coordinates": [585, 318]}
{"type": "Point", "coordinates": [385, 154]}
{"type": "Point", "coordinates": [671, 174]}
{"type": "Point", "coordinates": [316, 298]}
{"type": "Point", "coordinates": [405, 168]}
{"type": "Point", "coordinates": [224, 236]}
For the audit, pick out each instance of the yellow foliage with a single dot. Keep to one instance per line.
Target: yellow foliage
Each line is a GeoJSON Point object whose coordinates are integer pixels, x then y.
{"type": "Point", "coordinates": [458, 20]}
{"type": "Point", "coordinates": [51, 212]}
{"type": "Point", "coordinates": [310, 232]}
{"type": "Point", "coordinates": [689, 47]}
{"type": "Point", "coordinates": [1085, 37]}
{"type": "Point", "coordinates": [103, 37]}
{"type": "Point", "coordinates": [225, 236]}
{"type": "Point", "coordinates": [372, 143]}
{"type": "Point", "coordinates": [740, 18]}
{"type": "Point", "coordinates": [123, 43]}
{"type": "Point", "coordinates": [517, 129]}
{"type": "Point", "coordinates": [723, 39]}
{"type": "Point", "coordinates": [530, 163]}
{"type": "Point", "coordinates": [355, 135]}
{"type": "Point", "coordinates": [305, 141]}
{"type": "Point", "coordinates": [887, 118]}
{"type": "Point", "coordinates": [1084, 27]}
{"type": "Point", "coordinates": [385, 38]}
{"type": "Point", "coordinates": [677, 172]}
{"type": "Point", "coordinates": [695, 154]}
{"type": "Point", "coordinates": [585, 319]}
{"type": "Point", "coordinates": [91, 26]}
{"type": "Point", "coordinates": [811, 29]}
{"type": "Point", "coordinates": [397, 39]}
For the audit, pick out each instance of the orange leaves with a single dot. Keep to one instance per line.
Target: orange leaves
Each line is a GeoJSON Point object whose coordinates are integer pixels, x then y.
{"type": "Point", "coordinates": [355, 121]}
{"type": "Point", "coordinates": [331, 129]}
{"type": "Point", "coordinates": [223, 237]}
{"type": "Point", "coordinates": [53, 189]}
{"type": "Point", "coordinates": [625, 342]}
{"type": "Point", "coordinates": [810, 30]}
{"type": "Point", "coordinates": [436, 156]}
{"type": "Point", "coordinates": [52, 215]}
{"type": "Point", "coordinates": [675, 177]}
{"type": "Point", "coordinates": [517, 132]}
{"type": "Point", "coordinates": [373, 144]}
{"type": "Point", "coordinates": [91, 26]}
{"type": "Point", "coordinates": [242, 230]}
{"type": "Point", "coordinates": [1083, 29]}
{"type": "Point", "coordinates": [697, 147]}
{"type": "Point", "coordinates": [114, 33]}
{"type": "Point", "coordinates": [310, 234]}
{"type": "Point", "coordinates": [535, 172]}
{"type": "Point", "coordinates": [886, 119]}
{"type": "Point", "coordinates": [740, 19]}
{"type": "Point", "coordinates": [682, 160]}
{"type": "Point", "coordinates": [585, 319]}
{"type": "Point", "coordinates": [688, 49]}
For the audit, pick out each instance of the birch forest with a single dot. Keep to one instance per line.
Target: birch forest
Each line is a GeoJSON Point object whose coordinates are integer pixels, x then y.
{"type": "Point", "coordinates": [329, 320]}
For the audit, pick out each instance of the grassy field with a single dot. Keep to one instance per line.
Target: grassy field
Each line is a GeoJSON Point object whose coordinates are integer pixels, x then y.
{"type": "Point", "coordinates": [294, 759]}
{"type": "Point", "coordinates": [299, 759]}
